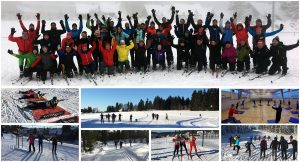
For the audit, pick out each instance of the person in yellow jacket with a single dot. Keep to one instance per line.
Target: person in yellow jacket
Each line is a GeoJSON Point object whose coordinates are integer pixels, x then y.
{"type": "Point", "coordinates": [123, 51]}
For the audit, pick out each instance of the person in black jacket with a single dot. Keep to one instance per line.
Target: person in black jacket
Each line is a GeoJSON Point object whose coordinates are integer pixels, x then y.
{"type": "Point", "coordinates": [66, 59]}
{"type": "Point", "coordinates": [183, 54]}
{"type": "Point", "coordinates": [261, 54]}
{"type": "Point", "coordinates": [140, 56]}
{"type": "Point", "coordinates": [181, 25]}
{"type": "Point", "coordinates": [165, 23]}
{"type": "Point", "coordinates": [278, 53]}
{"type": "Point", "coordinates": [274, 146]}
{"type": "Point", "coordinates": [214, 55]}
{"type": "Point", "coordinates": [198, 54]}
{"type": "Point", "coordinates": [248, 146]}
{"type": "Point", "coordinates": [294, 144]}
{"type": "Point", "coordinates": [45, 41]}
{"type": "Point", "coordinates": [199, 22]}
{"type": "Point", "coordinates": [278, 112]}
{"type": "Point", "coordinates": [283, 147]}
{"type": "Point", "coordinates": [54, 33]}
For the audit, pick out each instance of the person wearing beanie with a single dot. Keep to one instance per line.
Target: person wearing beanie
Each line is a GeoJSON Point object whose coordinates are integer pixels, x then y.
{"type": "Point", "coordinates": [87, 60]}
{"type": "Point", "coordinates": [68, 41]}
{"type": "Point", "coordinates": [258, 23]}
{"type": "Point", "coordinates": [198, 53]}
{"type": "Point", "coordinates": [47, 60]}
{"type": "Point", "coordinates": [66, 60]}
{"type": "Point", "coordinates": [108, 56]}
{"type": "Point", "coordinates": [278, 53]}
{"type": "Point", "coordinates": [198, 25]}
{"type": "Point", "coordinates": [261, 57]}
{"type": "Point", "coordinates": [243, 56]}
{"type": "Point", "coordinates": [32, 33]}
{"type": "Point", "coordinates": [123, 51]}
{"type": "Point", "coordinates": [140, 56]}
{"type": "Point", "coordinates": [75, 31]}
{"type": "Point", "coordinates": [227, 32]}
{"type": "Point", "coordinates": [29, 58]}
{"type": "Point", "coordinates": [229, 56]}
{"type": "Point", "coordinates": [182, 26]}
{"type": "Point", "coordinates": [54, 33]}
{"type": "Point", "coordinates": [239, 30]}
{"type": "Point", "coordinates": [183, 54]}
{"type": "Point", "coordinates": [214, 29]}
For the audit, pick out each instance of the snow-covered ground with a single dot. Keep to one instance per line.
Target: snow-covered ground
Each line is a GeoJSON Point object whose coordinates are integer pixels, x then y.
{"type": "Point", "coordinates": [162, 150]}
{"type": "Point", "coordinates": [228, 154]}
{"type": "Point", "coordinates": [10, 152]}
{"type": "Point", "coordinates": [137, 152]}
{"type": "Point", "coordinates": [10, 113]}
{"type": "Point", "coordinates": [175, 78]}
{"type": "Point", "coordinates": [177, 119]}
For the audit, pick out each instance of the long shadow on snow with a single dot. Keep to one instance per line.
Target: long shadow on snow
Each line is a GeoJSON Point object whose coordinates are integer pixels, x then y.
{"type": "Point", "coordinates": [158, 149]}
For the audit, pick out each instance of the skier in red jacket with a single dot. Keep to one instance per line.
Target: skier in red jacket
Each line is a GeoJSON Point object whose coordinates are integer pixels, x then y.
{"type": "Point", "coordinates": [108, 55]}
{"type": "Point", "coordinates": [87, 59]}
{"type": "Point", "coordinates": [32, 33]}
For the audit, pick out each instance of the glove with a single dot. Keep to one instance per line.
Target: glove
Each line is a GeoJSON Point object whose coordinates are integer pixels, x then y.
{"type": "Point", "coordinates": [128, 17]}
{"type": "Point", "coordinates": [231, 19]}
{"type": "Point", "coordinates": [119, 13]}
{"type": "Point", "coordinates": [92, 22]}
{"type": "Point", "coordinates": [43, 22]}
{"type": "Point", "coordinates": [269, 16]}
{"type": "Point", "coordinates": [211, 15]}
{"type": "Point", "coordinates": [177, 11]}
{"type": "Point", "coordinates": [250, 17]}
{"type": "Point", "coordinates": [153, 11]}
{"type": "Point", "coordinates": [103, 17]}
{"type": "Point", "coordinates": [281, 26]}
{"type": "Point", "coordinates": [191, 30]}
{"type": "Point", "coordinates": [175, 26]}
{"type": "Point", "coordinates": [235, 15]}
{"type": "Point", "coordinates": [38, 16]}
{"type": "Point", "coordinates": [10, 51]}
{"type": "Point", "coordinates": [208, 14]}
{"type": "Point", "coordinates": [88, 16]}
{"type": "Point", "coordinates": [173, 9]}
{"type": "Point", "coordinates": [19, 16]}
{"type": "Point", "coordinates": [66, 16]}
{"type": "Point", "coordinates": [96, 16]}
{"type": "Point", "coordinates": [80, 17]}
{"type": "Point", "coordinates": [61, 22]}
{"type": "Point", "coordinates": [221, 15]}
{"type": "Point", "coordinates": [12, 31]}
{"type": "Point", "coordinates": [149, 17]}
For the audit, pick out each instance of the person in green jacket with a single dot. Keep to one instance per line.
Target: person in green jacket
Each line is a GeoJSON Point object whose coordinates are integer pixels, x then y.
{"type": "Point", "coordinates": [243, 56]}
{"type": "Point", "coordinates": [29, 59]}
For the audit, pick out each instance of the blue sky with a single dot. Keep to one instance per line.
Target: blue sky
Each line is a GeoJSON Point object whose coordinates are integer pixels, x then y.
{"type": "Point", "coordinates": [101, 98]}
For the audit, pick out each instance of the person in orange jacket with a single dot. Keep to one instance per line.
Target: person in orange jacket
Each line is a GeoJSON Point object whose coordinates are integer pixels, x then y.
{"type": "Point", "coordinates": [108, 55]}
{"type": "Point", "coordinates": [240, 31]}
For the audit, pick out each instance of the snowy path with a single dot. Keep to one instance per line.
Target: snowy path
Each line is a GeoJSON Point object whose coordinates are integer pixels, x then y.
{"type": "Point", "coordinates": [228, 154]}
{"type": "Point", "coordinates": [9, 151]}
{"type": "Point", "coordinates": [176, 119]}
{"type": "Point", "coordinates": [138, 152]}
{"type": "Point", "coordinates": [162, 150]}
{"type": "Point", "coordinates": [11, 113]}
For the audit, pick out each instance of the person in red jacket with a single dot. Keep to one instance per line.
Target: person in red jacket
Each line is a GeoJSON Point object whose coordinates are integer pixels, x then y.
{"type": "Point", "coordinates": [24, 44]}
{"type": "Point", "coordinates": [86, 58]}
{"type": "Point", "coordinates": [32, 33]}
{"type": "Point", "coordinates": [48, 63]}
{"type": "Point", "coordinates": [229, 56]}
{"type": "Point", "coordinates": [241, 33]}
{"type": "Point", "coordinates": [108, 55]}
{"type": "Point", "coordinates": [67, 41]}
{"type": "Point", "coordinates": [31, 139]}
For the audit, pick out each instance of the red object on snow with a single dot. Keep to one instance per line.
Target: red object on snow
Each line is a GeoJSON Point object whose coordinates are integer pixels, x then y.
{"type": "Point", "coordinates": [40, 114]}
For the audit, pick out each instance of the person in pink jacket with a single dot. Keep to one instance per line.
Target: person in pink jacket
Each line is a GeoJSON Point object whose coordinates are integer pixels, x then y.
{"type": "Point", "coordinates": [229, 56]}
{"type": "Point", "coordinates": [31, 139]}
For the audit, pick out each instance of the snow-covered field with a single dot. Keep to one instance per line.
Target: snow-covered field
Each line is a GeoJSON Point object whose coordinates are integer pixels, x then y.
{"type": "Point", "coordinates": [177, 119]}
{"type": "Point", "coordinates": [10, 113]}
{"type": "Point", "coordinates": [175, 78]}
{"type": "Point", "coordinates": [9, 151]}
{"type": "Point", "coordinates": [228, 154]}
{"type": "Point", "coordinates": [162, 150]}
{"type": "Point", "coordinates": [137, 152]}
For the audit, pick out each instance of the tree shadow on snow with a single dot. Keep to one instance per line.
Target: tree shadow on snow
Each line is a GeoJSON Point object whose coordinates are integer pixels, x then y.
{"type": "Point", "coordinates": [158, 149]}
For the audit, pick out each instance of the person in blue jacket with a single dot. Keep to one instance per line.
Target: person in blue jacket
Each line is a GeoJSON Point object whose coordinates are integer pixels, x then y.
{"type": "Point", "coordinates": [75, 31]}
{"type": "Point", "coordinates": [214, 29]}
{"type": "Point", "coordinates": [227, 32]}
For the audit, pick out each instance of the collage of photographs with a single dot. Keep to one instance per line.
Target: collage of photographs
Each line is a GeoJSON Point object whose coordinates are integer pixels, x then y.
{"type": "Point", "coordinates": [149, 80]}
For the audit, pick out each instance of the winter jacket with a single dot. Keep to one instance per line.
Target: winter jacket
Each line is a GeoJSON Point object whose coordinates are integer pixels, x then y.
{"type": "Point", "coordinates": [150, 31]}
{"type": "Point", "coordinates": [283, 145]}
{"type": "Point", "coordinates": [129, 32]}
{"type": "Point", "coordinates": [86, 57]}
{"type": "Point", "coordinates": [66, 58]}
{"type": "Point", "coordinates": [75, 33]}
{"type": "Point", "coordinates": [243, 53]}
{"type": "Point", "coordinates": [108, 54]}
{"type": "Point", "coordinates": [44, 42]}
{"type": "Point", "coordinates": [121, 36]}
{"type": "Point", "coordinates": [29, 57]}
{"type": "Point", "coordinates": [242, 34]}
{"type": "Point", "coordinates": [31, 139]}
{"type": "Point", "coordinates": [166, 24]}
{"type": "Point", "coordinates": [261, 55]}
{"type": "Point", "coordinates": [32, 34]}
{"type": "Point", "coordinates": [46, 60]}
{"type": "Point", "coordinates": [262, 36]}
{"type": "Point", "coordinates": [123, 51]}
{"type": "Point", "coordinates": [229, 54]}
{"type": "Point", "coordinates": [264, 27]}
{"type": "Point", "coordinates": [263, 145]}
{"type": "Point", "coordinates": [294, 144]}
{"type": "Point", "coordinates": [54, 35]}
{"type": "Point", "coordinates": [67, 41]}
{"type": "Point", "coordinates": [274, 145]}
{"type": "Point", "coordinates": [159, 39]}
{"type": "Point", "coordinates": [182, 28]}
{"type": "Point", "coordinates": [227, 33]}
{"type": "Point", "coordinates": [140, 55]}
{"type": "Point", "coordinates": [139, 35]}
{"type": "Point", "coordinates": [215, 53]}
{"type": "Point", "coordinates": [159, 55]}
{"type": "Point", "coordinates": [196, 26]}
{"type": "Point", "coordinates": [278, 53]}
{"type": "Point", "coordinates": [214, 31]}
{"type": "Point", "coordinates": [85, 41]}
{"type": "Point", "coordinates": [24, 45]}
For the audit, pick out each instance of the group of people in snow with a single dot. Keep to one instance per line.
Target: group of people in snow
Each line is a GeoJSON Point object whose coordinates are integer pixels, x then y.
{"type": "Point", "coordinates": [275, 145]}
{"type": "Point", "coordinates": [40, 137]}
{"type": "Point", "coordinates": [106, 49]}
